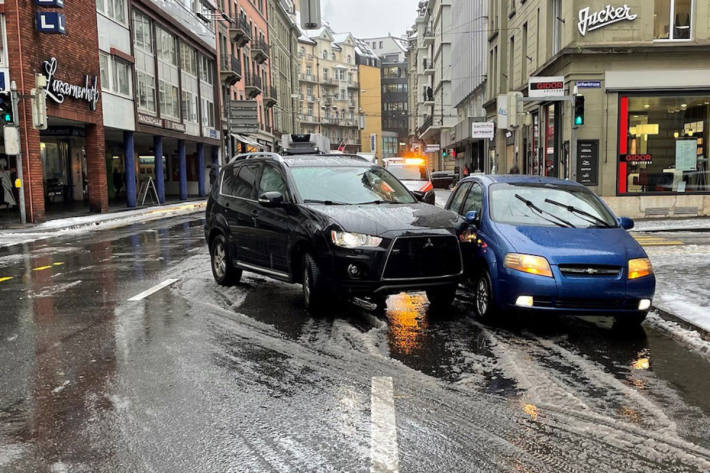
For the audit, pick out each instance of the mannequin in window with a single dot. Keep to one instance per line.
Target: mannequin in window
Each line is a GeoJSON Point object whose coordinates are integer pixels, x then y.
{"type": "Point", "coordinates": [6, 185]}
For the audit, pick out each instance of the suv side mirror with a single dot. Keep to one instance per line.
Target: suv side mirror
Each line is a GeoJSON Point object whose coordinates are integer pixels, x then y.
{"type": "Point", "coordinates": [271, 199]}
{"type": "Point", "coordinates": [626, 223]}
{"type": "Point", "coordinates": [428, 197]}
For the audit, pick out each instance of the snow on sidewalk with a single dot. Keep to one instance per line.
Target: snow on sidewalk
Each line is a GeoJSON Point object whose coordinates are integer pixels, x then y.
{"type": "Point", "coordinates": [107, 221]}
{"type": "Point", "coordinates": [669, 224]}
{"type": "Point", "coordinates": [682, 286]}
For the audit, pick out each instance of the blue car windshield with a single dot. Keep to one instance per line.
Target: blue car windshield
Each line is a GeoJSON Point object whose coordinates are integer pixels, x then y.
{"type": "Point", "coordinates": [548, 206]}
{"type": "Point", "coordinates": [350, 185]}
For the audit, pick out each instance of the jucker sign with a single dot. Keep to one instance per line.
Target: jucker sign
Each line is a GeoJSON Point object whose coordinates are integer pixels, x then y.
{"type": "Point", "coordinates": [590, 21]}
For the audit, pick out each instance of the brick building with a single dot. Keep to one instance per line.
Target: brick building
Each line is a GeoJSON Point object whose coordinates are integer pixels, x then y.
{"type": "Point", "coordinates": [66, 161]}
{"type": "Point", "coordinates": [132, 99]}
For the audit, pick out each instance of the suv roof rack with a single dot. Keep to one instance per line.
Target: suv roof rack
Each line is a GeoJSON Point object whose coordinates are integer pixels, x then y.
{"type": "Point", "coordinates": [242, 156]}
{"type": "Point", "coordinates": [308, 143]}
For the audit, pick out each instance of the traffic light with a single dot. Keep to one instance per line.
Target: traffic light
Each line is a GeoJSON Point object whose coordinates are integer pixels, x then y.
{"type": "Point", "coordinates": [444, 154]}
{"type": "Point", "coordinates": [579, 110]}
{"type": "Point", "coordinates": [6, 114]}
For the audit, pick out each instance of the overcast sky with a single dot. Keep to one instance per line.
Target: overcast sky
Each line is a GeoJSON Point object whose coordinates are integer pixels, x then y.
{"type": "Point", "coordinates": [370, 18]}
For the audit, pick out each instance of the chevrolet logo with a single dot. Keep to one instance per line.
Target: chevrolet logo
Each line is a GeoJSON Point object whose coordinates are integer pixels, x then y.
{"type": "Point", "coordinates": [592, 271]}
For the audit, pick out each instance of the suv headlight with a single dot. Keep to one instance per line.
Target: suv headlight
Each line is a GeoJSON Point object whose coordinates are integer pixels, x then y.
{"type": "Point", "coordinates": [354, 240]}
{"type": "Point", "coordinates": [528, 264]}
{"type": "Point", "coordinates": [639, 268]}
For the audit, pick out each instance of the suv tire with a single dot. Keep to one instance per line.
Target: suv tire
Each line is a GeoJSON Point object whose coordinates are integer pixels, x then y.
{"type": "Point", "coordinates": [223, 270]}
{"type": "Point", "coordinates": [315, 295]}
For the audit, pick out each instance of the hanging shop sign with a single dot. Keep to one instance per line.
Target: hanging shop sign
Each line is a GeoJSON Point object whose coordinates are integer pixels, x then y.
{"type": "Point", "coordinates": [58, 90]}
{"type": "Point", "coordinates": [637, 158]}
{"type": "Point", "coordinates": [483, 130]}
{"type": "Point", "coordinates": [51, 22]}
{"type": "Point", "coordinates": [546, 87]}
{"type": "Point", "coordinates": [609, 15]}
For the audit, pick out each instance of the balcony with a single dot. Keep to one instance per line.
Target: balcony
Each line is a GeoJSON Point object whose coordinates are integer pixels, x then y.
{"type": "Point", "coordinates": [429, 67]}
{"type": "Point", "coordinates": [230, 70]}
{"type": "Point", "coordinates": [260, 51]}
{"type": "Point", "coordinates": [353, 85]}
{"type": "Point", "coordinates": [240, 32]}
{"type": "Point", "coordinates": [429, 36]}
{"type": "Point", "coordinates": [330, 82]}
{"type": "Point", "coordinates": [270, 97]}
{"type": "Point", "coordinates": [253, 86]}
{"type": "Point", "coordinates": [310, 99]}
{"type": "Point", "coordinates": [307, 118]}
{"type": "Point", "coordinates": [306, 77]}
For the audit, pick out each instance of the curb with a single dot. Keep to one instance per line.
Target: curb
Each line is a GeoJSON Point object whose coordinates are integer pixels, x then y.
{"type": "Point", "coordinates": [118, 221]}
{"type": "Point", "coordinates": [704, 334]}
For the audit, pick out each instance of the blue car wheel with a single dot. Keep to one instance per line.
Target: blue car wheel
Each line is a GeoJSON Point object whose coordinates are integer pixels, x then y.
{"type": "Point", "coordinates": [485, 300]}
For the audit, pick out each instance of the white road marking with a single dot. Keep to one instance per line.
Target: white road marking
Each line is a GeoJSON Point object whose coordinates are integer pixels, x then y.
{"type": "Point", "coordinates": [383, 442]}
{"type": "Point", "coordinates": [152, 290]}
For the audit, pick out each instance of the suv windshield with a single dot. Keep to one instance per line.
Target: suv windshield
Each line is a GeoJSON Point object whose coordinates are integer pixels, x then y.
{"type": "Point", "coordinates": [408, 172]}
{"type": "Point", "coordinates": [349, 185]}
{"type": "Point", "coordinates": [548, 206]}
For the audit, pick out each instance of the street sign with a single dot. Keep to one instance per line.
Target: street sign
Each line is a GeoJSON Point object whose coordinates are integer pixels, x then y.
{"type": "Point", "coordinates": [243, 116]}
{"type": "Point", "coordinates": [435, 148]}
{"type": "Point", "coordinates": [589, 84]}
{"type": "Point", "coordinates": [51, 22]}
{"type": "Point", "coordinates": [483, 130]}
{"type": "Point", "coordinates": [588, 162]}
{"type": "Point", "coordinates": [546, 86]}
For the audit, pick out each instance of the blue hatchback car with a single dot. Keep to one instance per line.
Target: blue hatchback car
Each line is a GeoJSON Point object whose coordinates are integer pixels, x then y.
{"type": "Point", "coordinates": [539, 244]}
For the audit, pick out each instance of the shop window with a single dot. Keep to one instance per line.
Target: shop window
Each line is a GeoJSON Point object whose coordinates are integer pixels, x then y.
{"type": "Point", "coordinates": [663, 145]}
{"type": "Point", "coordinates": [673, 19]}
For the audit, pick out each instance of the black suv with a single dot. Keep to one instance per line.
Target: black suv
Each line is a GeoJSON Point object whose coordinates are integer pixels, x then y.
{"type": "Point", "coordinates": [338, 224]}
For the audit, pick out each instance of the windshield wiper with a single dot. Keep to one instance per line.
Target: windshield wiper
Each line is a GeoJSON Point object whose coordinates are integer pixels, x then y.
{"type": "Point", "coordinates": [324, 202]}
{"type": "Point", "coordinates": [561, 223]}
{"type": "Point", "coordinates": [590, 218]}
{"type": "Point", "coordinates": [378, 202]}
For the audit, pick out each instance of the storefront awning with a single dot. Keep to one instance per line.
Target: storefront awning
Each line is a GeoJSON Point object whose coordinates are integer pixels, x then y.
{"type": "Point", "coordinates": [247, 141]}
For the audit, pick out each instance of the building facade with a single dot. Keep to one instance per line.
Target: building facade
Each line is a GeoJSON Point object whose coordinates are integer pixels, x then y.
{"type": "Point", "coordinates": [395, 91]}
{"type": "Point", "coordinates": [246, 90]}
{"type": "Point", "coordinates": [283, 38]}
{"type": "Point", "coordinates": [431, 51]}
{"type": "Point", "coordinates": [643, 71]}
{"type": "Point", "coordinates": [468, 84]}
{"type": "Point", "coordinates": [329, 86]}
{"type": "Point", "coordinates": [370, 95]}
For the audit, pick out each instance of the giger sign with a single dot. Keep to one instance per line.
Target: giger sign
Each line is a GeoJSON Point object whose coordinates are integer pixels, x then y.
{"type": "Point", "coordinates": [589, 21]}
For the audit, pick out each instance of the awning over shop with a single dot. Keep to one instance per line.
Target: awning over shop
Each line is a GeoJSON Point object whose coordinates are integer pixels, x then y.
{"type": "Point", "coordinates": [247, 141]}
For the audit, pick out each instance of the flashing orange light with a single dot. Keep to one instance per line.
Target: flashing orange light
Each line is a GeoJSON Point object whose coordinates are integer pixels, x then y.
{"type": "Point", "coordinates": [415, 161]}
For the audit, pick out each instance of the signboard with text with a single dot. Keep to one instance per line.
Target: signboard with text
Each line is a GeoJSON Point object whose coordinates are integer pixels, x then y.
{"type": "Point", "coordinates": [588, 162]}
{"type": "Point", "coordinates": [546, 87]}
{"type": "Point", "coordinates": [243, 116]}
{"type": "Point", "coordinates": [483, 130]}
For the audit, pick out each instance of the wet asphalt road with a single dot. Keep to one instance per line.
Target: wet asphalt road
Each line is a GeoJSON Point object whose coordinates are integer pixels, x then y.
{"type": "Point", "coordinates": [199, 378]}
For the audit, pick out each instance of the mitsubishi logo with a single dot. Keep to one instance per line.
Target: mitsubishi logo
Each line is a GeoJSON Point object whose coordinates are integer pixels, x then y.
{"type": "Point", "coordinates": [429, 243]}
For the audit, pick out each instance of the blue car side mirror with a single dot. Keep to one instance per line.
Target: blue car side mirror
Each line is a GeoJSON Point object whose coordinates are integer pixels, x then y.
{"type": "Point", "coordinates": [626, 223]}
{"type": "Point", "coordinates": [471, 217]}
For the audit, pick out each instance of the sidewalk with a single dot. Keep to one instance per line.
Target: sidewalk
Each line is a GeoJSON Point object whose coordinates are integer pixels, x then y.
{"type": "Point", "coordinates": [106, 221]}
{"type": "Point", "coordinates": [671, 225]}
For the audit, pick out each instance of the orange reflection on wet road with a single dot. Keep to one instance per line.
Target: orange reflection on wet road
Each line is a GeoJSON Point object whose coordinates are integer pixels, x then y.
{"type": "Point", "coordinates": [407, 321]}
